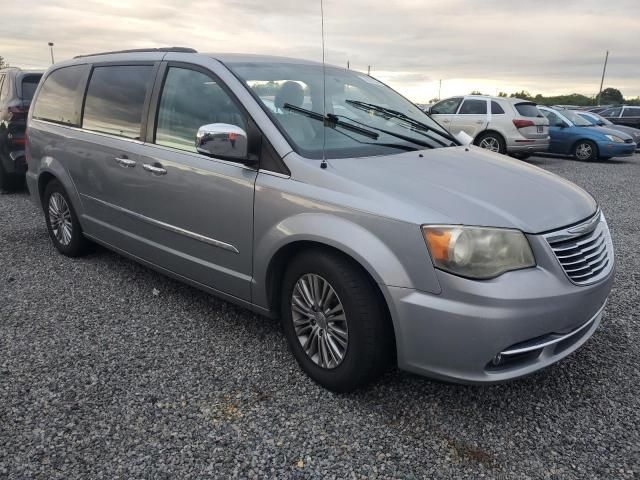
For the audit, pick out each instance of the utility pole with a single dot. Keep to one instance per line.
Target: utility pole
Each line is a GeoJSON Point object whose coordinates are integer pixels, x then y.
{"type": "Point", "coordinates": [369, 70]}
{"type": "Point", "coordinates": [348, 66]}
{"type": "Point", "coordinates": [51, 49]}
{"type": "Point", "coordinates": [439, 89]}
{"type": "Point", "coordinates": [604, 70]}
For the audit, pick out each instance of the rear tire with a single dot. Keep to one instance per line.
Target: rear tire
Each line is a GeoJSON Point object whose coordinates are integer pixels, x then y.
{"type": "Point", "coordinates": [62, 222]}
{"type": "Point", "coordinates": [348, 348]}
{"type": "Point", "coordinates": [491, 141]}
{"type": "Point", "coordinates": [585, 150]}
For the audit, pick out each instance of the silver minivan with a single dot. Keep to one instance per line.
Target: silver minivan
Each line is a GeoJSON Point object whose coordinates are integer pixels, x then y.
{"type": "Point", "coordinates": [320, 196]}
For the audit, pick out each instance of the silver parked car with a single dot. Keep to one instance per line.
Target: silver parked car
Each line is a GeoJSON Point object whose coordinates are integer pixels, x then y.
{"type": "Point", "coordinates": [373, 234]}
{"type": "Point", "coordinates": [499, 124]}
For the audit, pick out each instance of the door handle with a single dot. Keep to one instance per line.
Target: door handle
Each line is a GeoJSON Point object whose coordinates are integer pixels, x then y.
{"type": "Point", "coordinates": [156, 170]}
{"type": "Point", "coordinates": [125, 162]}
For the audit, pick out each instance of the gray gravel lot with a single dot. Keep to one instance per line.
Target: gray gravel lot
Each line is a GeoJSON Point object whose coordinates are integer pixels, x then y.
{"type": "Point", "coordinates": [102, 378]}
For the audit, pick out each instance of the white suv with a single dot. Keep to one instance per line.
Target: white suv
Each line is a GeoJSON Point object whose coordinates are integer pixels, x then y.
{"type": "Point", "coordinates": [499, 124]}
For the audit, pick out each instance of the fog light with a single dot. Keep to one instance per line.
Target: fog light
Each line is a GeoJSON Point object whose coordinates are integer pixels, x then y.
{"type": "Point", "coordinates": [496, 360]}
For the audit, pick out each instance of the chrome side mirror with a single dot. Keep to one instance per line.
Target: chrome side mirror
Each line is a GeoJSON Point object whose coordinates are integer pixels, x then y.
{"type": "Point", "coordinates": [222, 140]}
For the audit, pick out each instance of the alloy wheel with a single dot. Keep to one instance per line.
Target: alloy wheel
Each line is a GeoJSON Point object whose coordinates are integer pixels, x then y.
{"type": "Point", "coordinates": [490, 143]}
{"type": "Point", "coordinates": [319, 321]}
{"type": "Point", "coordinates": [60, 218]}
{"type": "Point", "coordinates": [584, 151]}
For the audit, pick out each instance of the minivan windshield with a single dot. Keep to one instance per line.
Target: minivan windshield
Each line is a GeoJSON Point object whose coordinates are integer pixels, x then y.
{"type": "Point", "coordinates": [364, 116]}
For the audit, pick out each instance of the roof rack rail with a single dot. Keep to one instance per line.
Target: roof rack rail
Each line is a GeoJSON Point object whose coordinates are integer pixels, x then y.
{"type": "Point", "coordinates": [136, 50]}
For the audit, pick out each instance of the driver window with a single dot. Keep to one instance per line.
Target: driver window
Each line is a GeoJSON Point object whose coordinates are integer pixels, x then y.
{"type": "Point", "coordinates": [612, 112]}
{"type": "Point", "coordinates": [191, 99]}
{"type": "Point", "coordinates": [447, 107]}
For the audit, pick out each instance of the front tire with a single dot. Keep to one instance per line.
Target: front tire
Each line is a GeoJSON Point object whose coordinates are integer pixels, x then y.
{"type": "Point", "coordinates": [491, 141]}
{"type": "Point", "coordinates": [334, 320]}
{"type": "Point", "coordinates": [62, 222]}
{"type": "Point", "coordinates": [585, 150]}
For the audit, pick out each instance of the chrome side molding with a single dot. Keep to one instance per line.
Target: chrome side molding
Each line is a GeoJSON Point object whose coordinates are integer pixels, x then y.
{"type": "Point", "coordinates": [167, 226]}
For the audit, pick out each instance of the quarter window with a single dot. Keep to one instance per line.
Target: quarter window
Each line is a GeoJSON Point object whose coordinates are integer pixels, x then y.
{"type": "Point", "coordinates": [496, 109]}
{"type": "Point", "coordinates": [190, 100]}
{"type": "Point", "coordinates": [446, 107]}
{"type": "Point", "coordinates": [1, 81]}
{"type": "Point", "coordinates": [59, 97]}
{"type": "Point", "coordinates": [473, 107]}
{"type": "Point", "coordinates": [4, 91]}
{"type": "Point", "coordinates": [115, 99]}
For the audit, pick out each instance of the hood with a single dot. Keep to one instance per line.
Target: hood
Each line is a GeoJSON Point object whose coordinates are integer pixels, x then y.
{"type": "Point", "coordinates": [634, 132]}
{"type": "Point", "coordinates": [462, 185]}
{"type": "Point", "coordinates": [609, 130]}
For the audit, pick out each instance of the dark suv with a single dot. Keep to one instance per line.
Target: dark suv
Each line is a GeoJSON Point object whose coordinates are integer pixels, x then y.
{"type": "Point", "coordinates": [628, 115]}
{"type": "Point", "coordinates": [16, 90]}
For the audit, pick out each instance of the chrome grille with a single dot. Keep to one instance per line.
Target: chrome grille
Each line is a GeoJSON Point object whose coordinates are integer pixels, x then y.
{"type": "Point", "coordinates": [585, 251]}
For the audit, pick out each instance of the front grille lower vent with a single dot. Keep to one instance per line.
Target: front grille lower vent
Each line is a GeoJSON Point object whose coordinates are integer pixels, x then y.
{"type": "Point", "coordinates": [585, 257]}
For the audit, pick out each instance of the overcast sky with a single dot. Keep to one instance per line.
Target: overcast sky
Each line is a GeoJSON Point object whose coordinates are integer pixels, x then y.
{"type": "Point", "coordinates": [543, 46]}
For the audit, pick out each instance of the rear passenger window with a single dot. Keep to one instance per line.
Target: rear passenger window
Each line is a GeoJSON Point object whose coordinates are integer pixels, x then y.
{"type": "Point", "coordinates": [473, 107]}
{"type": "Point", "coordinates": [115, 99]}
{"type": "Point", "coordinates": [631, 112]}
{"type": "Point", "coordinates": [59, 99]}
{"type": "Point", "coordinates": [496, 109]}
{"type": "Point", "coordinates": [190, 100]}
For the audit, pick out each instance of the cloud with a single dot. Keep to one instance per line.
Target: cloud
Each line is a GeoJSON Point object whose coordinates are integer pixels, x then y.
{"type": "Point", "coordinates": [544, 45]}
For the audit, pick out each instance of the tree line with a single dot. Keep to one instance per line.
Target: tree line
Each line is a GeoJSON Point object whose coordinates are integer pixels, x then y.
{"type": "Point", "coordinates": [609, 96]}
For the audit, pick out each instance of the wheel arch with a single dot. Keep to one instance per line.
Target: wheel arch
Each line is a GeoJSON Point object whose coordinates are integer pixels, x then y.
{"type": "Point", "coordinates": [583, 139]}
{"type": "Point", "coordinates": [278, 266]}
{"type": "Point", "coordinates": [52, 169]}
{"type": "Point", "coordinates": [489, 131]}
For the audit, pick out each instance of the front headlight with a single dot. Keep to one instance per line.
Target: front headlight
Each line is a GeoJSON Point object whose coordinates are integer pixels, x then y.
{"type": "Point", "coordinates": [477, 252]}
{"type": "Point", "coordinates": [614, 139]}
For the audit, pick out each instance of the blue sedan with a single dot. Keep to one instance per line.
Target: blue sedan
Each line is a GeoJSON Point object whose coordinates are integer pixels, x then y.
{"type": "Point", "coordinates": [573, 135]}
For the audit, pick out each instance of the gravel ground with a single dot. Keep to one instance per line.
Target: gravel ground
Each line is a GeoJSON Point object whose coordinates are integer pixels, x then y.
{"type": "Point", "coordinates": [110, 370]}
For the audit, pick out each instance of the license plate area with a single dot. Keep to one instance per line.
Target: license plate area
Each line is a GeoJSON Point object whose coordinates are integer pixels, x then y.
{"type": "Point", "coordinates": [540, 129]}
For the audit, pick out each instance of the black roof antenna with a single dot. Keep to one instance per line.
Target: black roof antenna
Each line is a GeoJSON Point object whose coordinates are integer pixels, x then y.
{"type": "Point", "coordinates": [323, 164]}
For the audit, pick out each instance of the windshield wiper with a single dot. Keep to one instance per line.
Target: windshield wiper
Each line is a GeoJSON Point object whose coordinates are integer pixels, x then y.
{"type": "Point", "coordinates": [406, 138]}
{"type": "Point", "coordinates": [391, 113]}
{"type": "Point", "coordinates": [331, 121]}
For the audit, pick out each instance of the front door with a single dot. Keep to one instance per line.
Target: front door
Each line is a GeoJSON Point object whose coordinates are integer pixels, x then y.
{"type": "Point", "coordinates": [194, 213]}
{"type": "Point", "coordinates": [444, 111]}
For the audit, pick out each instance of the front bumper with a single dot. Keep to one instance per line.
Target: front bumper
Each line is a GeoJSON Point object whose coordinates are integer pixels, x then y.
{"type": "Point", "coordinates": [458, 334]}
{"type": "Point", "coordinates": [616, 149]}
